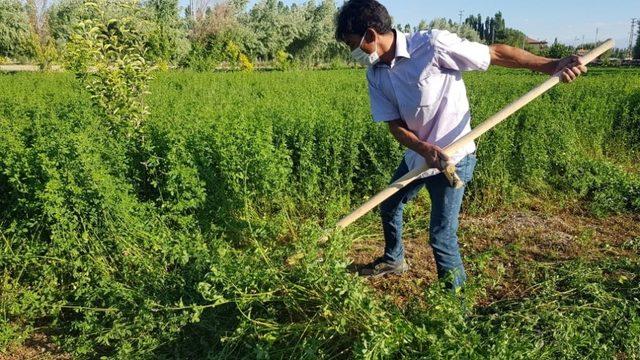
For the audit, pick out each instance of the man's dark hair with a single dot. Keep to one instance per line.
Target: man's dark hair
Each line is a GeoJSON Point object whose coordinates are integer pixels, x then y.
{"type": "Point", "coordinates": [356, 16]}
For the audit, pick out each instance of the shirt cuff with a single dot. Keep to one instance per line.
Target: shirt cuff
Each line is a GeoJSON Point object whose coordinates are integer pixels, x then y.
{"type": "Point", "coordinates": [486, 61]}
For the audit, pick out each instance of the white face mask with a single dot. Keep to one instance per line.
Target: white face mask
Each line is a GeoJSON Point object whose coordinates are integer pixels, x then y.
{"type": "Point", "coordinates": [363, 58]}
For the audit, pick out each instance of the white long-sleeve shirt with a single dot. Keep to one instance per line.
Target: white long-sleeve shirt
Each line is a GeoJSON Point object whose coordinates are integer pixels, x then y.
{"type": "Point", "coordinates": [423, 86]}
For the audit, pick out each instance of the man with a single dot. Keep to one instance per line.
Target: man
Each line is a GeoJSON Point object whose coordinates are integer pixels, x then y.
{"type": "Point", "coordinates": [416, 87]}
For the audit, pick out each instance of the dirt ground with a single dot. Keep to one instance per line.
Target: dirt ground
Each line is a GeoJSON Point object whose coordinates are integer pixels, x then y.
{"type": "Point", "coordinates": [512, 240]}
{"type": "Point", "coordinates": [37, 347]}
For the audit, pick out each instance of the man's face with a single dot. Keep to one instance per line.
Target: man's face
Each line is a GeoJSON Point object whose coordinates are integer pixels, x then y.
{"type": "Point", "coordinates": [368, 44]}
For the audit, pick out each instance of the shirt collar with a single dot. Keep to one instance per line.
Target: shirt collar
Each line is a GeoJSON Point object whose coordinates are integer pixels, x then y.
{"type": "Point", "coordinates": [402, 46]}
{"type": "Point", "coordinates": [402, 49]}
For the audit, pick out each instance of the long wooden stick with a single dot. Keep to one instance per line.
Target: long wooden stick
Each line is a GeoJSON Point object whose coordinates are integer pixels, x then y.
{"type": "Point", "coordinates": [471, 136]}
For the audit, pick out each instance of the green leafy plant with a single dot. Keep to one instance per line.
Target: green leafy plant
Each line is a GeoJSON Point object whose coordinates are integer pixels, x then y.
{"type": "Point", "coordinates": [108, 56]}
{"type": "Point", "coordinates": [236, 56]}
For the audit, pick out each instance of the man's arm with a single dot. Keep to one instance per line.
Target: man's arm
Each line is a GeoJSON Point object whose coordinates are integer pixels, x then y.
{"type": "Point", "coordinates": [511, 57]}
{"type": "Point", "coordinates": [432, 153]}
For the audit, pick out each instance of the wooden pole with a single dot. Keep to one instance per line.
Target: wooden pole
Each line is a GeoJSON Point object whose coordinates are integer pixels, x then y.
{"type": "Point", "coordinates": [471, 136]}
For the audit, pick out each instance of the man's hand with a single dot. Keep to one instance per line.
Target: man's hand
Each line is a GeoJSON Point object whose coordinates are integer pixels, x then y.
{"type": "Point", "coordinates": [435, 156]}
{"type": "Point", "coordinates": [571, 68]}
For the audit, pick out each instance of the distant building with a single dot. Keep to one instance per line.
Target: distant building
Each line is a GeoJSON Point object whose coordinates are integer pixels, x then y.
{"type": "Point", "coordinates": [540, 44]}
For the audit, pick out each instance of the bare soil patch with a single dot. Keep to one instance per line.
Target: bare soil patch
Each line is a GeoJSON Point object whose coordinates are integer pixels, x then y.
{"type": "Point", "coordinates": [507, 243]}
{"type": "Point", "coordinates": [37, 347]}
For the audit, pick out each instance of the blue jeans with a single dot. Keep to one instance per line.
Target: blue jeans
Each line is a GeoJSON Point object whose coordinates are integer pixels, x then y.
{"type": "Point", "coordinates": [445, 209]}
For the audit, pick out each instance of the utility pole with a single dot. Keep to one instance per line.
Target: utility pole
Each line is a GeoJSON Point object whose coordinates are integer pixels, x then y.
{"type": "Point", "coordinates": [461, 13]}
{"type": "Point", "coordinates": [597, 33]}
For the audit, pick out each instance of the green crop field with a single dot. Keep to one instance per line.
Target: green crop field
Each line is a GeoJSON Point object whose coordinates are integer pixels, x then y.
{"type": "Point", "coordinates": [188, 244]}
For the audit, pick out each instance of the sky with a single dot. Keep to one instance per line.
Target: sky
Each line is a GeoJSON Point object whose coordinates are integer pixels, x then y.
{"type": "Point", "coordinates": [569, 21]}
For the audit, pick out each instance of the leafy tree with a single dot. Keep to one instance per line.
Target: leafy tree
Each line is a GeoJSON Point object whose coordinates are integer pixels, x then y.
{"type": "Point", "coordinates": [477, 24]}
{"type": "Point", "coordinates": [619, 53]}
{"type": "Point", "coordinates": [492, 29]}
{"type": "Point", "coordinates": [214, 31]}
{"type": "Point", "coordinates": [315, 42]}
{"type": "Point", "coordinates": [164, 31]}
{"type": "Point", "coordinates": [215, 21]}
{"type": "Point", "coordinates": [636, 48]}
{"type": "Point", "coordinates": [275, 26]}
{"type": "Point", "coordinates": [489, 33]}
{"type": "Point", "coordinates": [558, 50]}
{"type": "Point", "coordinates": [40, 38]}
{"type": "Point", "coordinates": [14, 29]}
{"type": "Point", "coordinates": [513, 37]}
{"type": "Point", "coordinates": [464, 30]}
{"type": "Point", "coordinates": [167, 41]}
{"type": "Point", "coordinates": [517, 38]}
{"type": "Point", "coordinates": [499, 29]}
{"type": "Point", "coordinates": [108, 55]}
{"type": "Point", "coordinates": [63, 16]}
{"type": "Point", "coordinates": [423, 25]}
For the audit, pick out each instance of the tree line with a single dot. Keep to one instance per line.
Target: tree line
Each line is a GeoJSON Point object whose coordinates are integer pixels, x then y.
{"type": "Point", "coordinates": [202, 36]}
{"type": "Point", "coordinates": [208, 34]}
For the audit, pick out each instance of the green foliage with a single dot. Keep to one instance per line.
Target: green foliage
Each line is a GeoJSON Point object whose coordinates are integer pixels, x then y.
{"type": "Point", "coordinates": [108, 55]}
{"type": "Point", "coordinates": [204, 57]}
{"type": "Point", "coordinates": [559, 51]}
{"type": "Point", "coordinates": [518, 39]}
{"type": "Point", "coordinates": [283, 60]}
{"type": "Point", "coordinates": [574, 132]}
{"type": "Point", "coordinates": [236, 57]}
{"type": "Point", "coordinates": [45, 51]}
{"type": "Point", "coordinates": [161, 29]}
{"type": "Point", "coordinates": [167, 40]}
{"type": "Point", "coordinates": [182, 247]}
{"type": "Point", "coordinates": [465, 31]}
{"type": "Point", "coordinates": [304, 31]}
{"type": "Point", "coordinates": [492, 30]}
{"type": "Point", "coordinates": [271, 21]}
{"type": "Point", "coordinates": [15, 38]}
{"type": "Point", "coordinates": [314, 42]}
{"type": "Point", "coordinates": [573, 312]}
{"type": "Point", "coordinates": [636, 48]}
{"type": "Point", "coordinates": [627, 124]}
{"type": "Point", "coordinates": [96, 252]}
{"type": "Point", "coordinates": [215, 55]}
{"type": "Point", "coordinates": [62, 17]}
